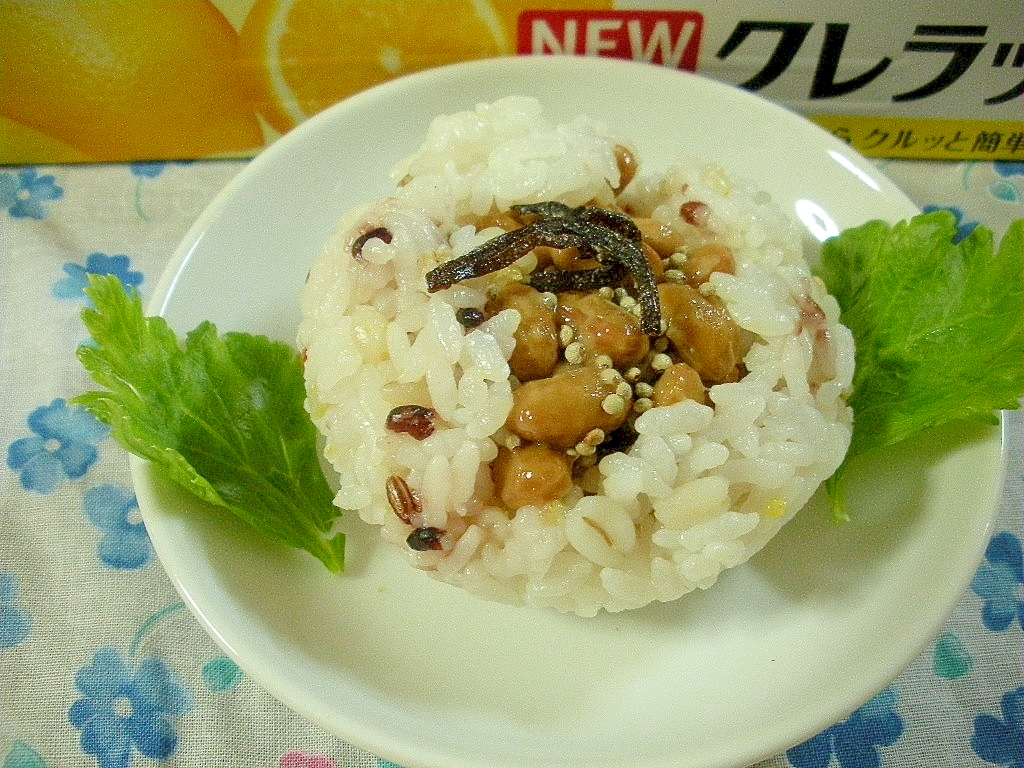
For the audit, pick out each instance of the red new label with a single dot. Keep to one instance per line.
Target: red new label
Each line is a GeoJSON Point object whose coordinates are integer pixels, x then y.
{"type": "Point", "coordinates": [671, 38]}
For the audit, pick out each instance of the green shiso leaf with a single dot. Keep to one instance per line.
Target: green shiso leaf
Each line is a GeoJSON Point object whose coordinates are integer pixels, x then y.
{"type": "Point", "coordinates": [222, 416]}
{"type": "Point", "coordinates": [938, 327]}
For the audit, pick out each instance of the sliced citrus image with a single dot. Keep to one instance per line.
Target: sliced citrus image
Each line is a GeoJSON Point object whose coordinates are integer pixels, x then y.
{"type": "Point", "coordinates": [301, 56]}
{"type": "Point", "coordinates": [124, 80]}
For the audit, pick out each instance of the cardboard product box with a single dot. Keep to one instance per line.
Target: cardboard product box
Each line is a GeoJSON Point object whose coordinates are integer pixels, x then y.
{"type": "Point", "coordinates": [136, 80]}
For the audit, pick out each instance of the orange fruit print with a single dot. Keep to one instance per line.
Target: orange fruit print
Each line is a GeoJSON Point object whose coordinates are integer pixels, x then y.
{"type": "Point", "coordinates": [129, 80]}
{"type": "Point", "coordinates": [123, 80]}
{"type": "Point", "coordinates": [301, 56]}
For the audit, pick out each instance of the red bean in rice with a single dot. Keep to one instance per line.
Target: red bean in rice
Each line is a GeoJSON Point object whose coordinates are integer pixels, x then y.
{"type": "Point", "coordinates": [702, 486]}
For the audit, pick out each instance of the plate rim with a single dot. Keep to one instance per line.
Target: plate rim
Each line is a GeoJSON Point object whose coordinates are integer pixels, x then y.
{"type": "Point", "coordinates": [163, 295]}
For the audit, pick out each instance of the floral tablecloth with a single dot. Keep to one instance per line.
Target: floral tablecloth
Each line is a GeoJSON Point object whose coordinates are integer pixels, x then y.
{"type": "Point", "coordinates": [100, 662]}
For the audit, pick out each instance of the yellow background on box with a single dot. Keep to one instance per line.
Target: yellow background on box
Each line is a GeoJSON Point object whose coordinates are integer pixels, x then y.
{"type": "Point", "coordinates": [123, 80]}
{"type": "Point", "coordinates": [175, 79]}
{"type": "Point", "coordinates": [128, 80]}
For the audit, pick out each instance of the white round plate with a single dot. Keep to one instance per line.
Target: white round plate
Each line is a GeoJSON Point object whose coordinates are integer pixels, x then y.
{"type": "Point", "coordinates": [427, 676]}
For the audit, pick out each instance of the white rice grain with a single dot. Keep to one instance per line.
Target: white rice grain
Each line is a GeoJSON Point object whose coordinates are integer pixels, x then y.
{"type": "Point", "coordinates": [701, 489]}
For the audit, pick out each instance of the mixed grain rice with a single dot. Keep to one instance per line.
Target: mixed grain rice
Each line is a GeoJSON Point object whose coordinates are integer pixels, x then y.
{"type": "Point", "coordinates": [702, 488]}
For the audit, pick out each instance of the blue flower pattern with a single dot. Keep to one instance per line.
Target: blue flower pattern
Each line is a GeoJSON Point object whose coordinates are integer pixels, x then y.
{"type": "Point", "coordinates": [125, 544]}
{"type": "Point", "coordinates": [15, 620]}
{"type": "Point", "coordinates": [143, 171]}
{"type": "Point", "coordinates": [856, 741]}
{"type": "Point", "coordinates": [1004, 188]}
{"type": "Point", "coordinates": [963, 228]}
{"type": "Point", "coordinates": [130, 707]}
{"type": "Point", "coordinates": [62, 447]}
{"type": "Point", "coordinates": [147, 170]}
{"type": "Point", "coordinates": [221, 674]}
{"type": "Point", "coordinates": [1000, 583]}
{"type": "Point", "coordinates": [151, 170]}
{"type": "Point", "coordinates": [22, 755]}
{"type": "Point", "coordinates": [127, 708]}
{"type": "Point", "coordinates": [25, 193]}
{"type": "Point", "coordinates": [1001, 741]}
{"type": "Point", "coordinates": [1006, 169]}
{"type": "Point", "coordinates": [72, 286]}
